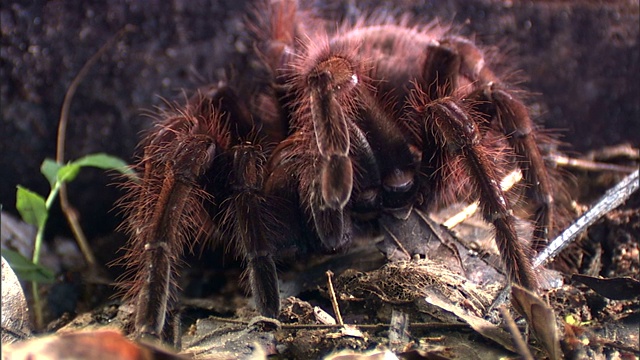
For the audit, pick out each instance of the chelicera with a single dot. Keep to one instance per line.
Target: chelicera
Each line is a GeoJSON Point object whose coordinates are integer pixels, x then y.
{"type": "Point", "coordinates": [347, 124]}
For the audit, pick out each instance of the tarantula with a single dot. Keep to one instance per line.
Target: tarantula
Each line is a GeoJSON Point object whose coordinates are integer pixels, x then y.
{"type": "Point", "coordinates": [346, 124]}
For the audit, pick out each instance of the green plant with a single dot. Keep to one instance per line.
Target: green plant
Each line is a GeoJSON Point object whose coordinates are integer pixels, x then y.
{"type": "Point", "coordinates": [35, 209]}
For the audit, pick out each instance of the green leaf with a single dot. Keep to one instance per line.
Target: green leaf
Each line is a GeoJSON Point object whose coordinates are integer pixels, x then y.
{"type": "Point", "coordinates": [104, 161]}
{"type": "Point", "coordinates": [68, 172]}
{"type": "Point", "coordinates": [49, 169]}
{"type": "Point", "coordinates": [31, 207]}
{"type": "Point", "coordinates": [26, 270]}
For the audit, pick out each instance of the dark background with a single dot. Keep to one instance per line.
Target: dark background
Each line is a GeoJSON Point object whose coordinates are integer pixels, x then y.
{"type": "Point", "coordinates": [581, 59]}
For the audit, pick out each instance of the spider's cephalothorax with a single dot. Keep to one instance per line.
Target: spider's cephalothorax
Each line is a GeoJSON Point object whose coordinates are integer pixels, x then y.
{"type": "Point", "coordinates": [378, 117]}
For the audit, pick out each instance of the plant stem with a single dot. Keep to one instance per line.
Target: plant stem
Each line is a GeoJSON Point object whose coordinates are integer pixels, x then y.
{"type": "Point", "coordinates": [40, 235]}
{"type": "Point", "coordinates": [39, 317]}
{"type": "Point", "coordinates": [37, 304]}
{"type": "Point", "coordinates": [69, 212]}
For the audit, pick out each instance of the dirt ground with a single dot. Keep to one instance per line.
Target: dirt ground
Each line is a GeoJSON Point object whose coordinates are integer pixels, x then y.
{"type": "Point", "coordinates": [431, 306]}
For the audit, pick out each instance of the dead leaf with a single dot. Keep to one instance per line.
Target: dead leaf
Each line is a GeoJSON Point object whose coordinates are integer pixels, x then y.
{"type": "Point", "coordinates": [369, 355]}
{"type": "Point", "coordinates": [540, 318]}
{"type": "Point", "coordinates": [621, 288]}
{"type": "Point", "coordinates": [94, 345]}
{"type": "Point", "coordinates": [480, 325]}
{"type": "Point", "coordinates": [15, 313]}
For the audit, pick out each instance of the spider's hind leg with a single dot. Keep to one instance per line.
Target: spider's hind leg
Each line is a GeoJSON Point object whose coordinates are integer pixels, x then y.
{"type": "Point", "coordinates": [520, 131]}
{"type": "Point", "coordinates": [453, 131]}
{"type": "Point", "coordinates": [456, 134]}
{"type": "Point", "coordinates": [498, 104]}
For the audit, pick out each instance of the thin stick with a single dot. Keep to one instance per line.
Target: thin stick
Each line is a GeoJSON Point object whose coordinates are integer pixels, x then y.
{"type": "Point", "coordinates": [334, 300]}
{"type": "Point", "coordinates": [613, 198]}
{"type": "Point", "coordinates": [396, 241]}
{"type": "Point", "coordinates": [590, 165]}
{"type": "Point", "coordinates": [379, 326]}
{"type": "Point", "coordinates": [70, 213]}
{"type": "Point", "coordinates": [506, 184]}
{"type": "Point", "coordinates": [436, 232]}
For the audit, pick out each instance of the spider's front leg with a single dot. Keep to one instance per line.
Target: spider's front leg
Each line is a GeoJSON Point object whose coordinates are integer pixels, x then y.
{"type": "Point", "coordinates": [161, 209]}
{"type": "Point", "coordinates": [328, 90]}
{"type": "Point", "coordinates": [318, 90]}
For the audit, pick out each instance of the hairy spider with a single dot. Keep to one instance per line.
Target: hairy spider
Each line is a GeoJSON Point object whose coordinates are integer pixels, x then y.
{"type": "Point", "coordinates": [346, 124]}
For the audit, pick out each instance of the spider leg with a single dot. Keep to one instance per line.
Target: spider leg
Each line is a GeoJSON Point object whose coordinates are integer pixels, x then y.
{"type": "Point", "coordinates": [330, 118]}
{"type": "Point", "coordinates": [458, 136]}
{"type": "Point", "coordinates": [248, 210]}
{"type": "Point", "coordinates": [457, 133]}
{"type": "Point", "coordinates": [293, 183]}
{"type": "Point", "coordinates": [520, 131]}
{"type": "Point", "coordinates": [440, 70]}
{"type": "Point", "coordinates": [318, 96]}
{"type": "Point", "coordinates": [326, 92]}
{"type": "Point", "coordinates": [294, 177]}
{"type": "Point", "coordinates": [244, 208]}
{"type": "Point", "coordinates": [275, 26]}
{"type": "Point", "coordinates": [493, 99]}
{"type": "Point", "coordinates": [159, 208]}
{"type": "Point", "coordinates": [366, 199]}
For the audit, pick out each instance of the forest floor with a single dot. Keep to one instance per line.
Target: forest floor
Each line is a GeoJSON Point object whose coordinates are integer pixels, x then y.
{"type": "Point", "coordinates": [436, 306]}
